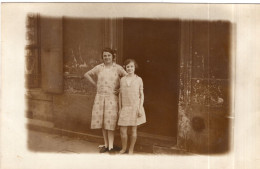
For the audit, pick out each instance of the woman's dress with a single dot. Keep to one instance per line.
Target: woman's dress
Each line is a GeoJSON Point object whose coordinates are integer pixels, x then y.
{"type": "Point", "coordinates": [105, 108]}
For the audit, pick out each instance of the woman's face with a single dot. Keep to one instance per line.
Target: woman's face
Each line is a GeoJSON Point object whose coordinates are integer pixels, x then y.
{"type": "Point", "coordinates": [130, 68]}
{"type": "Point", "coordinates": [107, 57]}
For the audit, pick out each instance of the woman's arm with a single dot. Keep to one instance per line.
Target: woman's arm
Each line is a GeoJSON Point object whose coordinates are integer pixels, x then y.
{"type": "Point", "coordinates": [121, 71]}
{"type": "Point", "coordinates": [87, 76]}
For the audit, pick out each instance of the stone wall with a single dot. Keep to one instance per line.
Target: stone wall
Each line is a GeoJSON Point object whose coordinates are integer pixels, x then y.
{"type": "Point", "coordinates": [204, 101]}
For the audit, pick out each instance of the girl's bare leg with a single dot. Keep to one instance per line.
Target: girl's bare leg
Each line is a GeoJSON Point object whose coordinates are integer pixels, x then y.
{"type": "Point", "coordinates": [123, 133]}
{"type": "Point", "coordinates": [105, 137]}
{"type": "Point", "coordinates": [133, 139]}
{"type": "Point", "coordinates": [110, 139]}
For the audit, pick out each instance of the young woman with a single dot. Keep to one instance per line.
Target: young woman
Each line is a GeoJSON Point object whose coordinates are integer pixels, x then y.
{"type": "Point", "coordinates": [105, 108]}
{"type": "Point", "coordinates": [131, 110]}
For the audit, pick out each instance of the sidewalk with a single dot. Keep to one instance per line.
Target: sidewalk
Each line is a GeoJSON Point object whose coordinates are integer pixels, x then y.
{"type": "Point", "coordinates": [44, 137]}
{"type": "Point", "coordinates": [53, 143]}
{"type": "Point", "coordinates": [45, 142]}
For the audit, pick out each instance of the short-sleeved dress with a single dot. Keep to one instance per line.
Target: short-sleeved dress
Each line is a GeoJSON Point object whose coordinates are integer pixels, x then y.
{"type": "Point", "coordinates": [105, 108]}
{"type": "Point", "coordinates": [130, 99]}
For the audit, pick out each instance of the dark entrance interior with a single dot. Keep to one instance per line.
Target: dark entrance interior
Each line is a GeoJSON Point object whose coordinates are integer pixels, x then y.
{"type": "Point", "coordinates": [154, 44]}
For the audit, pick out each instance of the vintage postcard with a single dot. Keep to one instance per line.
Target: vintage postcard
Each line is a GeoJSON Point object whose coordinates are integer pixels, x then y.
{"type": "Point", "coordinates": [130, 85]}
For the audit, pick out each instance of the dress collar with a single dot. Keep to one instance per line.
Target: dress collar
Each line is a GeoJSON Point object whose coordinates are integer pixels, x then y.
{"type": "Point", "coordinates": [129, 83]}
{"type": "Point", "coordinates": [113, 64]}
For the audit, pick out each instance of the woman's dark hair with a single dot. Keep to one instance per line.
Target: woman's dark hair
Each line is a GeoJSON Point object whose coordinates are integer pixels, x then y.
{"type": "Point", "coordinates": [112, 51]}
{"type": "Point", "coordinates": [129, 61]}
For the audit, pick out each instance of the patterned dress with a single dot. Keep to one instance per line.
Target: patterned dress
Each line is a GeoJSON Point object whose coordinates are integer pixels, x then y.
{"type": "Point", "coordinates": [105, 108]}
{"type": "Point", "coordinates": [130, 99]}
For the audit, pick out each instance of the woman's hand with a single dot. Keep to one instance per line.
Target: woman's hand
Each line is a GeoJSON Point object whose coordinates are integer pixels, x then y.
{"type": "Point", "coordinates": [116, 92]}
{"type": "Point", "coordinates": [87, 76]}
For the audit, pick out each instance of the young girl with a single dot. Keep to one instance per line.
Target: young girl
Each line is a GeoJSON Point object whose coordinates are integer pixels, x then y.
{"type": "Point", "coordinates": [131, 110]}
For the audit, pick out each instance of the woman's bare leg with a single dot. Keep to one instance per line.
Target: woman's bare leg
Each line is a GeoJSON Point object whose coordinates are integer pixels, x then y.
{"type": "Point", "coordinates": [133, 139]}
{"type": "Point", "coordinates": [105, 137]}
{"type": "Point", "coordinates": [110, 139]}
{"type": "Point", "coordinates": [123, 133]}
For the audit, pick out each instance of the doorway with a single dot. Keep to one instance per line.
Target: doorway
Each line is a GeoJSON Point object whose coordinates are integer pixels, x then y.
{"type": "Point", "coordinates": [154, 44]}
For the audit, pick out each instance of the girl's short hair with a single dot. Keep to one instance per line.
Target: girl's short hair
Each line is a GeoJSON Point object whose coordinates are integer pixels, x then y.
{"type": "Point", "coordinates": [112, 51]}
{"type": "Point", "coordinates": [129, 61]}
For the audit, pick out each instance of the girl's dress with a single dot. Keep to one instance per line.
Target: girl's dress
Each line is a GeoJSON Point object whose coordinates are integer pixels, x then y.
{"type": "Point", "coordinates": [105, 108]}
{"type": "Point", "coordinates": [130, 99]}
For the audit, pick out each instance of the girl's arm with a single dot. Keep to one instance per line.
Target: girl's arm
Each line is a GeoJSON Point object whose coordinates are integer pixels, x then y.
{"type": "Point", "coordinates": [87, 76]}
{"type": "Point", "coordinates": [119, 101]}
{"type": "Point", "coordinates": [120, 96]}
{"type": "Point", "coordinates": [141, 95]}
{"type": "Point", "coordinates": [141, 98]}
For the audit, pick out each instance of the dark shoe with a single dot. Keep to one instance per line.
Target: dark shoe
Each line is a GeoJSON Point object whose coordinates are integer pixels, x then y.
{"type": "Point", "coordinates": [103, 149]}
{"type": "Point", "coordinates": [117, 148]}
{"type": "Point", "coordinates": [112, 151]}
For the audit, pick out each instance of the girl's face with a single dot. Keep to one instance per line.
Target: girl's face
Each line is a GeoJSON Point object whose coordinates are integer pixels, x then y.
{"type": "Point", "coordinates": [107, 57]}
{"type": "Point", "coordinates": [130, 68]}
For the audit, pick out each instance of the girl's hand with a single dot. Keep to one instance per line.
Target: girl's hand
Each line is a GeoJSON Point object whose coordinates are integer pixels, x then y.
{"type": "Point", "coordinates": [139, 114]}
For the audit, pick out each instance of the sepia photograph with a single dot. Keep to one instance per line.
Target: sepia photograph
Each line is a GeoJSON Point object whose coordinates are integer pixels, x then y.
{"type": "Point", "coordinates": [148, 84]}
{"type": "Point", "coordinates": [183, 73]}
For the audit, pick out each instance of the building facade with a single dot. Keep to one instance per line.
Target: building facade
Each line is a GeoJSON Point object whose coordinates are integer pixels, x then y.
{"type": "Point", "coordinates": [185, 66]}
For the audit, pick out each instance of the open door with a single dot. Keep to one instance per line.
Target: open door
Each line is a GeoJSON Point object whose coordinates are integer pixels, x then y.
{"type": "Point", "coordinates": [154, 44]}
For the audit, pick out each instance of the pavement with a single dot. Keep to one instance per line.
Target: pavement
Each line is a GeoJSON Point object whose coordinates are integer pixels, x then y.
{"type": "Point", "coordinates": [46, 142]}
{"type": "Point", "coordinates": [43, 136]}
